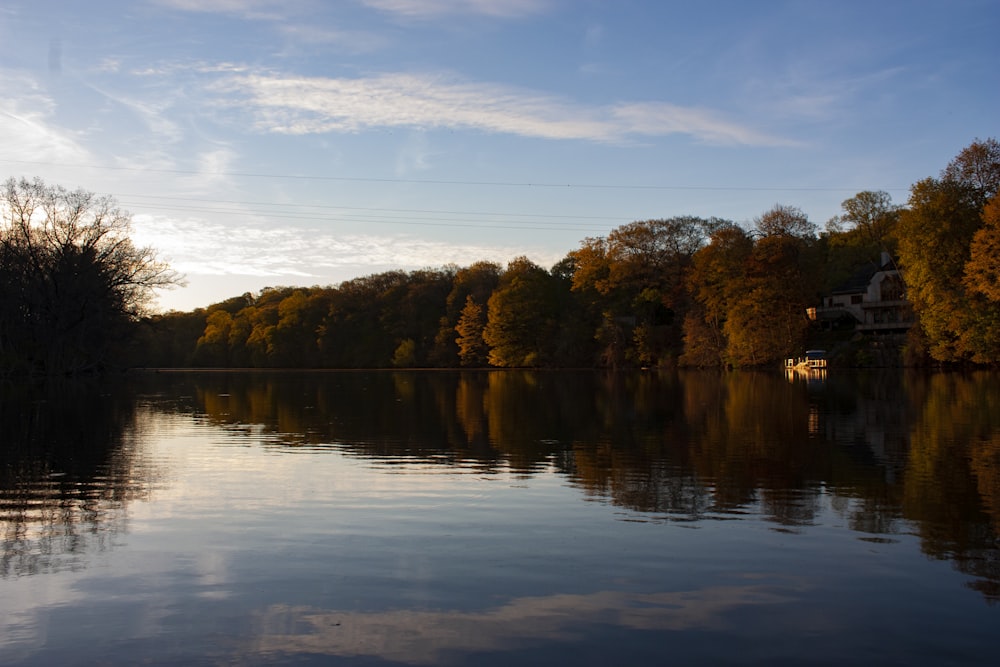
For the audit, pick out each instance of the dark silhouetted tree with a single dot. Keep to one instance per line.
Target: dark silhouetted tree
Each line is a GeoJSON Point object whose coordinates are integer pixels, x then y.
{"type": "Point", "coordinates": [72, 284]}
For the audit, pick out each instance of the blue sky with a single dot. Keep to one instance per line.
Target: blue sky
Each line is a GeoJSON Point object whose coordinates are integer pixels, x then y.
{"type": "Point", "coordinates": [306, 142]}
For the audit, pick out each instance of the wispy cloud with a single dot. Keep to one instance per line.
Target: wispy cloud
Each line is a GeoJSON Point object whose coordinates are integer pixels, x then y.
{"type": "Point", "coordinates": [296, 254]}
{"type": "Point", "coordinates": [354, 41]}
{"type": "Point", "coordinates": [423, 637]}
{"type": "Point", "coordinates": [153, 113]}
{"type": "Point", "coordinates": [27, 131]}
{"type": "Point", "coordinates": [248, 9]}
{"type": "Point", "coordinates": [430, 8]}
{"type": "Point", "coordinates": [301, 105]}
{"type": "Point", "coordinates": [817, 95]}
{"type": "Point", "coordinates": [661, 118]}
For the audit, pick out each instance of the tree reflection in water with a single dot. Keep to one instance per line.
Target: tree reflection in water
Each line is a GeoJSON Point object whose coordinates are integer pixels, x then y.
{"type": "Point", "coordinates": [70, 463]}
{"type": "Point", "coordinates": [892, 454]}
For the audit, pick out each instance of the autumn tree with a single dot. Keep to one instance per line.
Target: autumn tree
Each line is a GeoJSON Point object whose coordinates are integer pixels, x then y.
{"type": "Point", "coordinates": [472, 349]}
{"type": "Point", "coordinates": [751, 294]}
{"type": "Point", "coordinates": [976, 167]}
{"type": "Point", "coordinates": [767, 320]}
{"type": "Point", "coordinates": [575, 344]}
{"type": "Point", "coordinates": [412, 311]}
{"type": "Point", "coordinates": [588, 269]}
{"type": "Point", "coordinates": [521, 316]}
{"type": "Point", "coordinates": [858, 237]}
{"type": "Point", "coordinates": [213, 345]}
{"type": "Point", "coordinates": [716, 280]}
{"type": "Point", "coordinates": [872, 214]}
{"type": "Point", "coordinates": [937, 234]}
{"type": "Point", "coordinates": [634, 284]}
{"type": "Point", "coordinates": [359, 331]}
{"type": "Point", "coordinates": [72, 283]}
{"type": "Point", "coordinates": [982, 271]}
{"type": "Point", "coordinates": [784, 220]}
{"type": "Point", "coordinates": [477, 280]}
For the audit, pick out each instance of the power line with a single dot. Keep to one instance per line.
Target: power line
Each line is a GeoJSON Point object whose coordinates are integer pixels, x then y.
{"type": "Point", "coordinates": [509, 184]}
{"type": "Point", "coordinates": [360, 214]}
{"type": "Point", "coordinates": [121, 197]}
{"type": "Point", "coordinates": [390, 220]}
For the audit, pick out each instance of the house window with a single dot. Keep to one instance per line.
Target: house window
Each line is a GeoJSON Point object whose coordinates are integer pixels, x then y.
{"type": "Point", "coordinates": [855, 298]}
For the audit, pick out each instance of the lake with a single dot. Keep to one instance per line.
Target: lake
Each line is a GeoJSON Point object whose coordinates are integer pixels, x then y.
{"type": "Point", "coordinates": [500, 518]}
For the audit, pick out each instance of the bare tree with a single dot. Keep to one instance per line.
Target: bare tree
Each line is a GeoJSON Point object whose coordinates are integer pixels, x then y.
{"type": "Point", "coordinates": [783, 220]}
{"type": "Point", "coordinates": [71, 280]}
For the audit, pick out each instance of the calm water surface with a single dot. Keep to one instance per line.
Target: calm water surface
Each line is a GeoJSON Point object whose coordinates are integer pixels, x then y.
{"type": "Point", "coordinates": [498, 518]}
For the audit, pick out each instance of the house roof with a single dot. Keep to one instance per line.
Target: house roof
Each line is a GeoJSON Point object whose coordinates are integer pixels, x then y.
{"type": "Point", "coordinates": [862, 277]}
{"type": "Point", "coordinates": [859, 280]}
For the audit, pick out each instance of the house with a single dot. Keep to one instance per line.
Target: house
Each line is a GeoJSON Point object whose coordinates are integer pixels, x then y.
{"type": "Point", "coordinates": [873, 300]}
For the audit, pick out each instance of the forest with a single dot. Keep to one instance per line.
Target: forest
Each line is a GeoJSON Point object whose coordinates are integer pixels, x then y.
{"type": "Point", "coordinates": [682, 291]}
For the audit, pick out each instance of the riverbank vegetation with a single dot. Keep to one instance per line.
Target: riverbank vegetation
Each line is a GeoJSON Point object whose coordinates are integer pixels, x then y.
{"type": "Point", "coordinates": [693, 291]}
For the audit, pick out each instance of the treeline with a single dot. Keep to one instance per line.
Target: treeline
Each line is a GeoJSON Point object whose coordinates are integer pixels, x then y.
{"type": "Point", "coordinates": [679, 291]}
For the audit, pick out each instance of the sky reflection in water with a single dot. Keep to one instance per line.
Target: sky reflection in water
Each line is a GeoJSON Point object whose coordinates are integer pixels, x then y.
{"type": "Point", "coordinates": [404, 518]}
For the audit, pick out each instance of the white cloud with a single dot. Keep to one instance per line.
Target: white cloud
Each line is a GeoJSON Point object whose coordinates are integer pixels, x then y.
{"type": "Point", "coordinates": [425, 636]}
{"type": "Point", "coordinates": [220, 260]}
{"type": "Point", "coordinates": [214, 167]}
{"type": "Point", "coordinates": [154, 113]}
{"type": "Point", "coordinates": [429, 8]}
{"type": "Point", "coordinates": [109, 65]}
{"type": "Point", "coordinates": [660, 118]}
{"type": "Point", "coordinates": [355, 41]}
{"type": "Point", "coordinates": [248, 9]}
{"type": "Point", "coordinates": [26, 130]}
{"type": "Point", "coordinates": [301, 105]}
{"type": "Point", "coordinates": [196, 246]}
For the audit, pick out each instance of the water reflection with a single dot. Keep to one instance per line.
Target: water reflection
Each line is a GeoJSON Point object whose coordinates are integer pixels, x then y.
{"type": "Point", "coordinates": [892, 454]}
{"type": "Point", "coordinates": [427, 637]}
{"type": "Point", "coordinates": [70, 463]}
{"type": "Point", "coordinates": [952, 480]}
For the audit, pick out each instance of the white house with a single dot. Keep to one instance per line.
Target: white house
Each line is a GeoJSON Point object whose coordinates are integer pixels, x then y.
{"type": "Point", "coordinates": [874, 299]}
